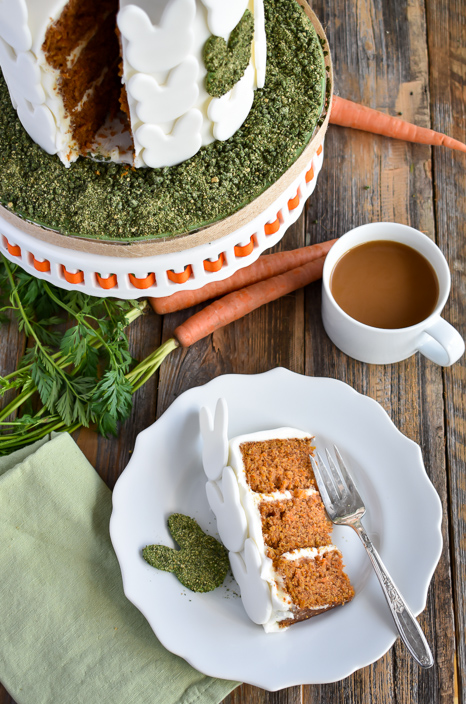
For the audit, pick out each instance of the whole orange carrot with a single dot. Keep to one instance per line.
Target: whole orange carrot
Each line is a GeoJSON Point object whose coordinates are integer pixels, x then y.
{"type": "Point", "coordinates": [266, 266]}
{"type": "Point", "coordinates": [348, 114]}
{"type": "Point", "coordinates": [238, 303]}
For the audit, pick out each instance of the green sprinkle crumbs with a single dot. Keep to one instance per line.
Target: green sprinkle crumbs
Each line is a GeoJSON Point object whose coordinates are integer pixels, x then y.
{"type": "Point", "coordinates": [107, 201]}
{"type": "Point", "coordinates": [226, 63]}
{"type": "Point", "coordinates": [201, 563]}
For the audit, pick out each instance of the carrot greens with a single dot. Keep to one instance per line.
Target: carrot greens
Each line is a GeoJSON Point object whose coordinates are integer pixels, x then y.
{"type": "Point", "coordinates": [77, 369]}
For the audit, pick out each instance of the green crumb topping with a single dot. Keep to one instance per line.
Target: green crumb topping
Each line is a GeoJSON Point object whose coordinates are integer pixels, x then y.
{"type": "Point", "coordinates": [226, 63]}
{"type": "Point", "coordinates": [113, 202]}
{"type": "Point", "coordinates": [201, 563]}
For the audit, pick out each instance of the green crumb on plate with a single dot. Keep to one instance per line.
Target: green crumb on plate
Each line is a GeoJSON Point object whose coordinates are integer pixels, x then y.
{"type": "Point", "coordinates": [201, 564]}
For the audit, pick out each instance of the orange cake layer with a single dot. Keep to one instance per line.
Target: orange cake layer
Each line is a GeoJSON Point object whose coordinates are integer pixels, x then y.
{"type": "Point", "coordinates": [294, 523]}
{"type": "Point", "coordinates": [83, 46]}
{"type": "Point", "coordinates": [315, 585]}
{"type": "Point", "coordinates": [278, 465]}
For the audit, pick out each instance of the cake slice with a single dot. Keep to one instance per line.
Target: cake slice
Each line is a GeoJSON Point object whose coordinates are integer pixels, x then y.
{"type": "Point", "coordinates": [272, 520]}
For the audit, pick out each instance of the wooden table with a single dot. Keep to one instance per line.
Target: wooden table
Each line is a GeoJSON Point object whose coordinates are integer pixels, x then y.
{"type": "Point", "coordinates": [407, 58]}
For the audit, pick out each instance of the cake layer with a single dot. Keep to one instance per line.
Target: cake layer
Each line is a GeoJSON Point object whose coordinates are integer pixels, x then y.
{"type": "Point", "coordinates": [314, 580]}
{"type": "Point", "coordinates": [292, 523]}
{"type": "Point", "coordinates": [278, 464]}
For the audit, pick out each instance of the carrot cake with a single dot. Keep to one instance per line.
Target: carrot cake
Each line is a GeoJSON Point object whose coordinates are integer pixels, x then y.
{"type": "Point", "coordinates": [271, 517]}
{"type": "Point", "coordinates": [183, 71]}
{"type": "Point", "coordinates": [190, 109]}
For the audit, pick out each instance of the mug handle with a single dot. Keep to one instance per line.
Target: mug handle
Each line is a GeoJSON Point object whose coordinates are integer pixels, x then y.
{"type": "Point", "coordinates": [444, 345]}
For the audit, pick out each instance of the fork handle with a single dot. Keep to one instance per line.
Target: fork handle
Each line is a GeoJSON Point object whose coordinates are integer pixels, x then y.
{"type": "Point", "coordinates": [408, 627]}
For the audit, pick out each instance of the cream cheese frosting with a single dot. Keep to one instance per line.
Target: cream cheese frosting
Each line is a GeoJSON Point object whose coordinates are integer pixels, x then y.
{"type": "Point", "coordinates": [171, 114]}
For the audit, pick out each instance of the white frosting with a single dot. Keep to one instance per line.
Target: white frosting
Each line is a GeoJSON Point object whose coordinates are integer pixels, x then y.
{"type": "Point", "coordinates": [260, 43]}
{"type": "Point", "coordinates": [171, 113]}
{"type": "Point", "coordinates": [13, 24]}
{"type": "Point", "coordinates": [39, 123]}
{"type": "Point", "coordinates": [230, 111]}
{"type": "Point", "coordinates": [224, 500]}
{"type": "Point", "coordinates": [21, 70]}
{"type": "Point", "coordinates": [162, 103]}
{"type": "Point", "coordinates": [239, 522]}
{"type": "Point", "coordinates": [223, 16]}
{"type": "Point", "coordinates": [161, 149]}
{"type": "Point", "coordinates": [214, 433]}
{"type": "Point", "coordinates": [152, 48]}
{"type": "Point", "coordinates": [255, 592]}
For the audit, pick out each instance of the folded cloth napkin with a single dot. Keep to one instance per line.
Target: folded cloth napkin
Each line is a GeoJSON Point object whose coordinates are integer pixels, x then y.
{"type": "Point", "coordinates": [67, 632]}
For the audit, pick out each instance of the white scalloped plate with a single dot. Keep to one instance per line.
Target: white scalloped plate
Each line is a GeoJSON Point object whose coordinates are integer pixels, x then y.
{"type": "Point", "coordinates": [211, 631]}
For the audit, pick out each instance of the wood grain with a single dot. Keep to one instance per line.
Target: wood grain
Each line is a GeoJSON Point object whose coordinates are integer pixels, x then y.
{"type": "Point", "coordinates": [407, 57]}
{"type": "Point", "coordinates": [446, 22]}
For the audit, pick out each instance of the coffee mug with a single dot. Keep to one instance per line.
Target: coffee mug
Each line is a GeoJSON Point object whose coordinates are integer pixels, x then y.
{"type": "Point", "coordinates": [433, 337]}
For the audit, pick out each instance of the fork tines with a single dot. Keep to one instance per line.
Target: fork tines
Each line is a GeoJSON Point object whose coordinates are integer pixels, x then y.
{"type": "Point", "coordinates": [334, 482]}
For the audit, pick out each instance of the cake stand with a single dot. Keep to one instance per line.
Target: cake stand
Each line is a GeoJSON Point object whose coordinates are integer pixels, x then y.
{"type": "Point", "coordinates": [162, 267]}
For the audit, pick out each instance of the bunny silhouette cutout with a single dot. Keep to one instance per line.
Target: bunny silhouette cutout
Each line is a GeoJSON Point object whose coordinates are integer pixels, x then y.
{"type": "Point", "coordinates": [39, 123]}
{"type": "Point", "coordinates": [215, 439]}
{"type": "Point", "coordinates": [227, 62]}
{"type": "Point", "coordinates": [163, 103]}
{"type": "Point", "coordinates": [22, 72]}
{"type": "Point", "coordinates": [230, 111]}
{"type": "Point", "coordinates": [200, 563]}
{"type": "Point", "coordinates": [223, 16]}
{"type": "Point", "coordinates": [182, 143]}
{"type": "Point", "coordinates": [14, 24]}
{"type": "Point", "coordinates": [225, 502]}
{"type": "Point", "coordinates": [255, 592]}
{"type": "Point", "coordinates": [152, 48]}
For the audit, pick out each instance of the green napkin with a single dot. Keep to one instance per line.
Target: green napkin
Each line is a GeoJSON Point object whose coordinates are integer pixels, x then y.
{"type": "Point", "coordinates": [67, 632]}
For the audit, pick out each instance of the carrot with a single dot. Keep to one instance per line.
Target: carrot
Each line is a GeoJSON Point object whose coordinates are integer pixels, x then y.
{"type": "Point", "coordinates": [348, 114]}
{"type": "Point", "coordinates": [266, 266]}
{"type": "Point", "coordinates": [238, 303]}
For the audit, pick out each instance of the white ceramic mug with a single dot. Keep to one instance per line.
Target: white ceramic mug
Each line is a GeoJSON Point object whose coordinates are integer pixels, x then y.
{"type": "Point", "coordinates": [433, 337]}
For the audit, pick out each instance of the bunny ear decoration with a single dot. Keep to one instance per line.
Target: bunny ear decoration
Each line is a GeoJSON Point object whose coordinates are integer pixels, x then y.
{"type": "Point", "coordinates": [14, 24]}
{"type": "Point", "coordinates": [224, 16]}
{"type": "Point", "coordinates": [215, 439]}
{"type": "Point", "coordinates": [152, 48]}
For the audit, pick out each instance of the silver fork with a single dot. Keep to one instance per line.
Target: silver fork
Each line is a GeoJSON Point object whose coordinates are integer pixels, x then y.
{"type": "Point", "coordinates": [345, 507]}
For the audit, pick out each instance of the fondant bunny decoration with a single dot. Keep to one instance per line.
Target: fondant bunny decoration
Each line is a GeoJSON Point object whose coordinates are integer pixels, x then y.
{"type": "Point", "coordinates": [214, 433]}
{"type": "Point", "coordinates": [22, 71]}
{"type": "Point", "coordinates": [224, 500]}
{"type": "Point", "coordinates": [154, 48]}
{"type": "Point", "coordinates": [14, 24]}
{"type": "Point", "coordinates": [255, 592]}
{"type": "Point", "coordinates": [163, 103]}
{"type": "Point", "coordinates": [39, 122]}
{"type": "Point", "coordinates": [230, 111]}
{"type": "Point", "coordinates": [182, 143]}
{"type": "Point", "coordinates": [224, 16]}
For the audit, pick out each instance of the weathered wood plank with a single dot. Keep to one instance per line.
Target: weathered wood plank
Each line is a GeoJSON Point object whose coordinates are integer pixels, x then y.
{"type": "Point", "coordinates": [446, 23]}
{"type": "Point", "coordinates": [380, 60]}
